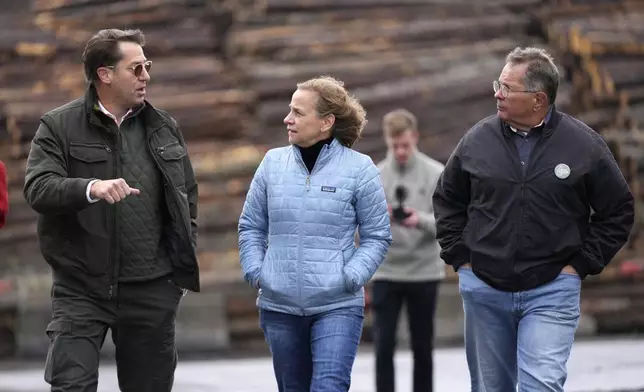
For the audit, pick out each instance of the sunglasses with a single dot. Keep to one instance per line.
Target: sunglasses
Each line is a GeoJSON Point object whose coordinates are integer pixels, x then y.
{"type": "Point", "coordinates": [137, 69]}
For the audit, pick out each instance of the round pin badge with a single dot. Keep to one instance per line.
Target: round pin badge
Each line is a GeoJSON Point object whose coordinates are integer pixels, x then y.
{"type": "Point", "coordinates": [562, 171]}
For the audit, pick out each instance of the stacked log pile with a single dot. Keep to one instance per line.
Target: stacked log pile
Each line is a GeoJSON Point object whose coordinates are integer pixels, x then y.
{"type": "Point", "coordinates": [40, 69]}
{"type": "Point", "coordinates": [24, 74]}
{"type": "Point", "coordinates": [436, 60]}
{"type": "Point", "coordinates": [226, 70]}
{"type": "Point", "coordinates": [601, 44]}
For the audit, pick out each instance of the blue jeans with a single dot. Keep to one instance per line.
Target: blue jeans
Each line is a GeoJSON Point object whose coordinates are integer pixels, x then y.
{"type": "Point", "coordinates": [313, 353]}
{"type": "Point", "coordinates": [520, 338]}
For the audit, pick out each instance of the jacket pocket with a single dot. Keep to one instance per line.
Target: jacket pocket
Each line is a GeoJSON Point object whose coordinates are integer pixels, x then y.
{"type": "Point", "coordinates": [349, 284]}
{"type": "Point", "coordinates": [58, 354]}
{"type": "Point", "coordinates": [274, 283]}
{"type": "Point", "coordinates": [172, 155]}
{"type": "Point", "coordinates": [81, 248]}
{"type": "Point", "coordinates": [261, 271]}
{"type": "Point", "coordinates": [323, 280]}
{"type": "Point", "coordinates": [89, 160]}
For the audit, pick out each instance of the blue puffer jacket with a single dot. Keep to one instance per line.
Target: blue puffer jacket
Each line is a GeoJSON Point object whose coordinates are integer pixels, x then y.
{"type": "Point", "coordinates": [297, 231]}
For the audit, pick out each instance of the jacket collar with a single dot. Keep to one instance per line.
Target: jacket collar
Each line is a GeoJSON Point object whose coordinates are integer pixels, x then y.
{"type": "Point", "coordinates": [549, 126]}
{"type": "Point", "coordinates": [327, 152]}
{"type": "Point", "coordinates": [151, 116]}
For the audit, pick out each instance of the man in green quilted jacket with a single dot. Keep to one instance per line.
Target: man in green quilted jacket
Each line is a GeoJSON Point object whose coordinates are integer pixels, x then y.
{"type": "Point", "coordinates": [116, 194]}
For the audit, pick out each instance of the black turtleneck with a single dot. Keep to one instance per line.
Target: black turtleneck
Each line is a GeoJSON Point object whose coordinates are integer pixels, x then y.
{"type": "Point", "coordinates": [310, 154]}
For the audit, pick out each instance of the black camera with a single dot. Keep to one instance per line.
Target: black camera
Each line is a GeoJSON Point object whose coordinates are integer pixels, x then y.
{"type": "Point", "coordinates": [398, 212]}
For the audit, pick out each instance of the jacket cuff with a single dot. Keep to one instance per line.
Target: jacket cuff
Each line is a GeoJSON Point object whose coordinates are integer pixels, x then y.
{"type": "Point", "coordinates": [253, 278]}
{"type": "Point", "coordinates": [87, 192]}
{"type": "Point", "coordinates": [580, 264]}
{"type": "Point", "coordinates": [458, 265]}
{"type": "Point", "coordinates": [350, 279]}
{"type": "Point", "coordinates": [81, 197]}
{"type": "Point", "coordinates": [458, 259]}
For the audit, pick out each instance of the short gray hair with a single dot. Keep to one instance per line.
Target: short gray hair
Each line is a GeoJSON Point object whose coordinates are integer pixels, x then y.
{"type": "Point", "coordinates": [541, 73]}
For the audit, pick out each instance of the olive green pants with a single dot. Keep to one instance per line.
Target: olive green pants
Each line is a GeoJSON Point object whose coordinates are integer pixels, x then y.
{"type": "Point", "coordinates": [142, 322]}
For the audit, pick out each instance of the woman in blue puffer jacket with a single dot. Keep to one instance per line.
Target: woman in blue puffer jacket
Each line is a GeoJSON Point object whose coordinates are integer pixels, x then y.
{"type": "Point", "coordinates": [296, 239]}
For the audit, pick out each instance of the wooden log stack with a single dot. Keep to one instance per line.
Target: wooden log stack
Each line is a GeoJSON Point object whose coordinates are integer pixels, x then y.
{"type": "Point", "coordinates": [601, 43]}
{"type": "Point", "coordinates": [226, 70]}
{"type": "Point", "coordinates": [434, 58]}
{"type": "Point", "coordinates": [190, 80]}
{"type": "Point", "coordinates": [437, 60]}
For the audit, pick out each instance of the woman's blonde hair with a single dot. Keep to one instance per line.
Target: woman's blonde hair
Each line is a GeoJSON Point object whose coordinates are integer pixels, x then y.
{"type": "Point", "coordinates": [333, 98]}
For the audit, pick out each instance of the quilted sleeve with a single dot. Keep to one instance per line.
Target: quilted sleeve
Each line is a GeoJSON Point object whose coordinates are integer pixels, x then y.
{"type": "Point", "coordinates": [47, 188]}
{"type": "Point", "coordinates": [253, 227]}
{"type": "Point", "coordinates": [373, 228]}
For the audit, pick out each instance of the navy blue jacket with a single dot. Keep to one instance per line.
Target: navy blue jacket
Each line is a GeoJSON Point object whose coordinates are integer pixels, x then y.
{"type": "Point", "coordinates": [519, 228]}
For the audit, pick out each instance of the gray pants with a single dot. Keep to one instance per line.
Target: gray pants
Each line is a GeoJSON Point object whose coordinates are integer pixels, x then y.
{"type": "Point", "coordinates": [142, 324]}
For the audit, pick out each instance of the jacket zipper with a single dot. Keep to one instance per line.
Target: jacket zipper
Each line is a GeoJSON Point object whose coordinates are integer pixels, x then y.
{"type": "Point", "coordinates": [302, 210]}
{"type": "Point", "coordinates": [94, 145]}
{"type": "Point", "coordinates": [112, 213]}
{"type": "Point", "coordinates": [524, 175]}
{"type": "Point", "coordinates": [161, 149]}
{"type": "Point", "coordinates": [315, 165]}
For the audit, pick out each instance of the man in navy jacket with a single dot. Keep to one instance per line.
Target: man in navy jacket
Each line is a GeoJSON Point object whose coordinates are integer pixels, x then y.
{"type": "Point", "coordinates": [530, 203]}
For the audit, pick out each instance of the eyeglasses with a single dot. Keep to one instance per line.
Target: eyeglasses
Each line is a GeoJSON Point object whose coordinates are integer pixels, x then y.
{"type": "Point", "coordinates": [137, 69]}
{"type": "Point", "coordinates": [505, 90]}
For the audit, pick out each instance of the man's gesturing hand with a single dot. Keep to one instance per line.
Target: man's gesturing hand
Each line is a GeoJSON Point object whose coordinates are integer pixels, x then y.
{"type": "Point", "coordinates": [112, 191]}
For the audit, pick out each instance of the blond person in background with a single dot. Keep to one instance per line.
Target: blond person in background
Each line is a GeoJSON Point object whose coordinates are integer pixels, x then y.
{"type": "Point", "coordinates": [412, 269]}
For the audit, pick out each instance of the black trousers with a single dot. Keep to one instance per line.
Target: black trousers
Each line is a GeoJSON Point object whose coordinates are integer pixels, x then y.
{"type": "Point", "coordinates": [420, 300]}
{"type": "Point", "coordinates": [142, 321]}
